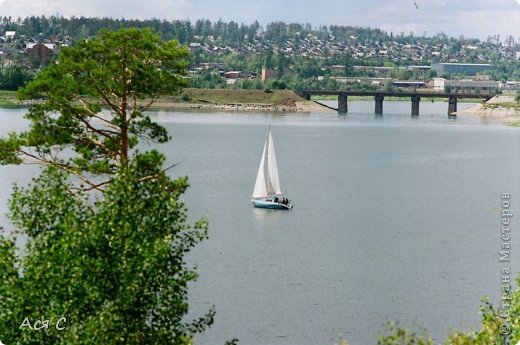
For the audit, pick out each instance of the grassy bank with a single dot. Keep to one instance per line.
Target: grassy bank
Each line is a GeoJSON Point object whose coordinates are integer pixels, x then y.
{"type": "Point", "coordinates": [506, 105]}
{"type": "Point", "coordinates": [213, 96]}
{"type": "Point", "coordinates": [9, 99]}
{"type": "Point", "coordinates": [226, 96]}
{"type": "Point", "coordinates": [210, 99]}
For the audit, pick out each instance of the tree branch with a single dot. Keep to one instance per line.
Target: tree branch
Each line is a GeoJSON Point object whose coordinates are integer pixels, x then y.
{"type": "Point", "coordinates": [86, 105]}
{"type": "Point", "coordinates": [103, 95]}
{"type": "Point", "coordinates": [104, 132]}
{"type": "Point", "coordinates": [96, 187]}
{"type": "Point", "coordinates": [146, 106]}
{"type": "Point", "coordinates": [149, 177]}
{"type": "Point", "coordinates": [62, 166]}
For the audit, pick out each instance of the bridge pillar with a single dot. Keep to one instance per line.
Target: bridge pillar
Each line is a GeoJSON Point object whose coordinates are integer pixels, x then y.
{"type": "Point", "coordinates": [342, 104]}
{"type": "Point", "coordinates": [415, 105]}
{"type": "Point", "coordinates": [452, 105]}
{"type": "Point", "coordinates": [379, 103]}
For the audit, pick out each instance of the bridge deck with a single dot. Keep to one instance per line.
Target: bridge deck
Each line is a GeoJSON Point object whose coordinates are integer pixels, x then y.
{"type": "Point", "coordinates": [379, 97]}
{"type": "Point", "coordinates": [428, 94]}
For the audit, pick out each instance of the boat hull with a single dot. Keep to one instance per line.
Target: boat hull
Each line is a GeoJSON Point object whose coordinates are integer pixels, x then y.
{"type": "Point", "coordinates": [270, 204]}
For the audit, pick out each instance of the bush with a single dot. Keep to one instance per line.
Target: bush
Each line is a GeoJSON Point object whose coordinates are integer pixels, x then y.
{"type": "Point", "coordinates": [185, 97]}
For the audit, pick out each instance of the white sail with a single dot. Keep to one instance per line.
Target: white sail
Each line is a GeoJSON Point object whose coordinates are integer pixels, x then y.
{"type": "Point", "coordinates": [267, 180]}
{"type": "Point", "coordinates": [272, 167]}
{"type": "Point", "coordinates": [260, 190]}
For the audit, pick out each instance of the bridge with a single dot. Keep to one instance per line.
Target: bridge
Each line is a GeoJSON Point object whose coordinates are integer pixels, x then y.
{"type": "Point", "coordinates": [379, 96]}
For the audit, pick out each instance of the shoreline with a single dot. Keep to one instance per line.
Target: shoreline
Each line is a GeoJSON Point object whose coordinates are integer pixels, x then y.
{"type": "Point", "coordinates": [500, 108]}
{"type": "Point", "coordinates": [276, 101]}
{"type": "Point", "coordinates": [297, 107]}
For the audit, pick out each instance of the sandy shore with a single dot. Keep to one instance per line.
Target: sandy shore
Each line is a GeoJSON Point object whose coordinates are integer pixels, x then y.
{"type": "Point", "coordinates": [492, 109]}
{"type": "Point", "coordinates": [297, 107]}
{"type": "Point", "coordinates": [311, 107]}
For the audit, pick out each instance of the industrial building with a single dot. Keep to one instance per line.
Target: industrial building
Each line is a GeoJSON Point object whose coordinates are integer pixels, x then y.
{"type": "Point", "coordinates": [461, 68]}
{"type": "Point", "coordinates": [465, 86]}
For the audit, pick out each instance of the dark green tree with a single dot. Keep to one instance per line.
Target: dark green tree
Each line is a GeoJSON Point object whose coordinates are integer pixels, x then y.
{"type": "Point", "coordinates": [93, 102]}
{"type": "Point", "coordinates": [105, 267]}
{"type": "Point", "coordinates": [113, 269]}
{"type": "Point", "coordinates": [13, 77]}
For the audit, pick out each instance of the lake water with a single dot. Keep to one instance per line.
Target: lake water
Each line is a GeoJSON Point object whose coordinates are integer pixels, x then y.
{"type": "Point", "coordinates": [395, 219]}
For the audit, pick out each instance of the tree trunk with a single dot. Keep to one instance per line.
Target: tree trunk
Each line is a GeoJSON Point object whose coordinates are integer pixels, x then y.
{"type": "Point", "coordinates": [124, 133]}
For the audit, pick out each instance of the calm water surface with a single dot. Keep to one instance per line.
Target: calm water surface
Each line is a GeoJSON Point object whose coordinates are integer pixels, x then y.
{"type": "Point", "coordinates": [395, 219]}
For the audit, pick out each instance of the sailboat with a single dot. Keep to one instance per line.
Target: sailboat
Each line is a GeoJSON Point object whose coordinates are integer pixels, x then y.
{"type": "Point", "coordinates": [267, 192]}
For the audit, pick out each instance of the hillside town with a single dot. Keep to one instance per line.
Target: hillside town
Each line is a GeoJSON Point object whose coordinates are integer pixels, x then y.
{"type": "Point", "coordinates": [431, 64]}
{"type": "Point", "coordinates": [295, 56]}
{"type": "Point", "coordinates": [391, 51]}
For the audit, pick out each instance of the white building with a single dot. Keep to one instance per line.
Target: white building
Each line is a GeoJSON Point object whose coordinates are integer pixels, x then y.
{"type": "Point", "coordinates": [465, 86]}
{"type": "Point", "coordinates": [10, 34]}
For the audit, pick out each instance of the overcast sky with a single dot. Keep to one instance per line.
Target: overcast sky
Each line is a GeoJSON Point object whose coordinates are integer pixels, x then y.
{"type": "Point", "coordinates": [471, 18]}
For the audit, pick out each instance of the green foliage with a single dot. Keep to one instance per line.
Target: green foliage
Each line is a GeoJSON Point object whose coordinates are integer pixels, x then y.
{"type": "Point", "coordinates": [8, 98]}
{"type": "Point", "coordinates": [9, 147]}
{"type": "Point", "coordinates": [114, 267]}
{"type": "Point", "coordinates": [496, 328]}
{"type": "Point", "coordinates": [39, 211]}
{"type": "Point", "coordinates": [502, 105]}
{"type": "Point", "coordinates": [207, 80]}
{"type": "Point", "coordinates": [277, 84]}
{"type": "Point", "coordinates": [93, 102]}
{"type": "Point", "coordinates": [396, 335]}
{"type": "Point", "coordinates": [490, 332]}
{"type": "Point", "coordinates": [517, 97]}
{"type": "Point", "coordinates": [111, 263]}
{"type": "Point", "coordinates": [14, 77]}
{"type": "Point", "coordinates": [388, 86]}
{"type": "Point", "coordinates": [186, 97]}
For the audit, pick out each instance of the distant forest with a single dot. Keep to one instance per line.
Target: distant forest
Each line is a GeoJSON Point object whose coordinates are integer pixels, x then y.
{"type": "Point", "coordinates": [299, 53]}
{"type": "Point", "coordinates": [227, 33]}
{"type": "Point", "coordinates": [230, 33]}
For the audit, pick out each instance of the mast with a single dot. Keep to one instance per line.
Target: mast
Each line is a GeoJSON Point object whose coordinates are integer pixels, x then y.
{"type": "Point", "coordinates": [272, 167]}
